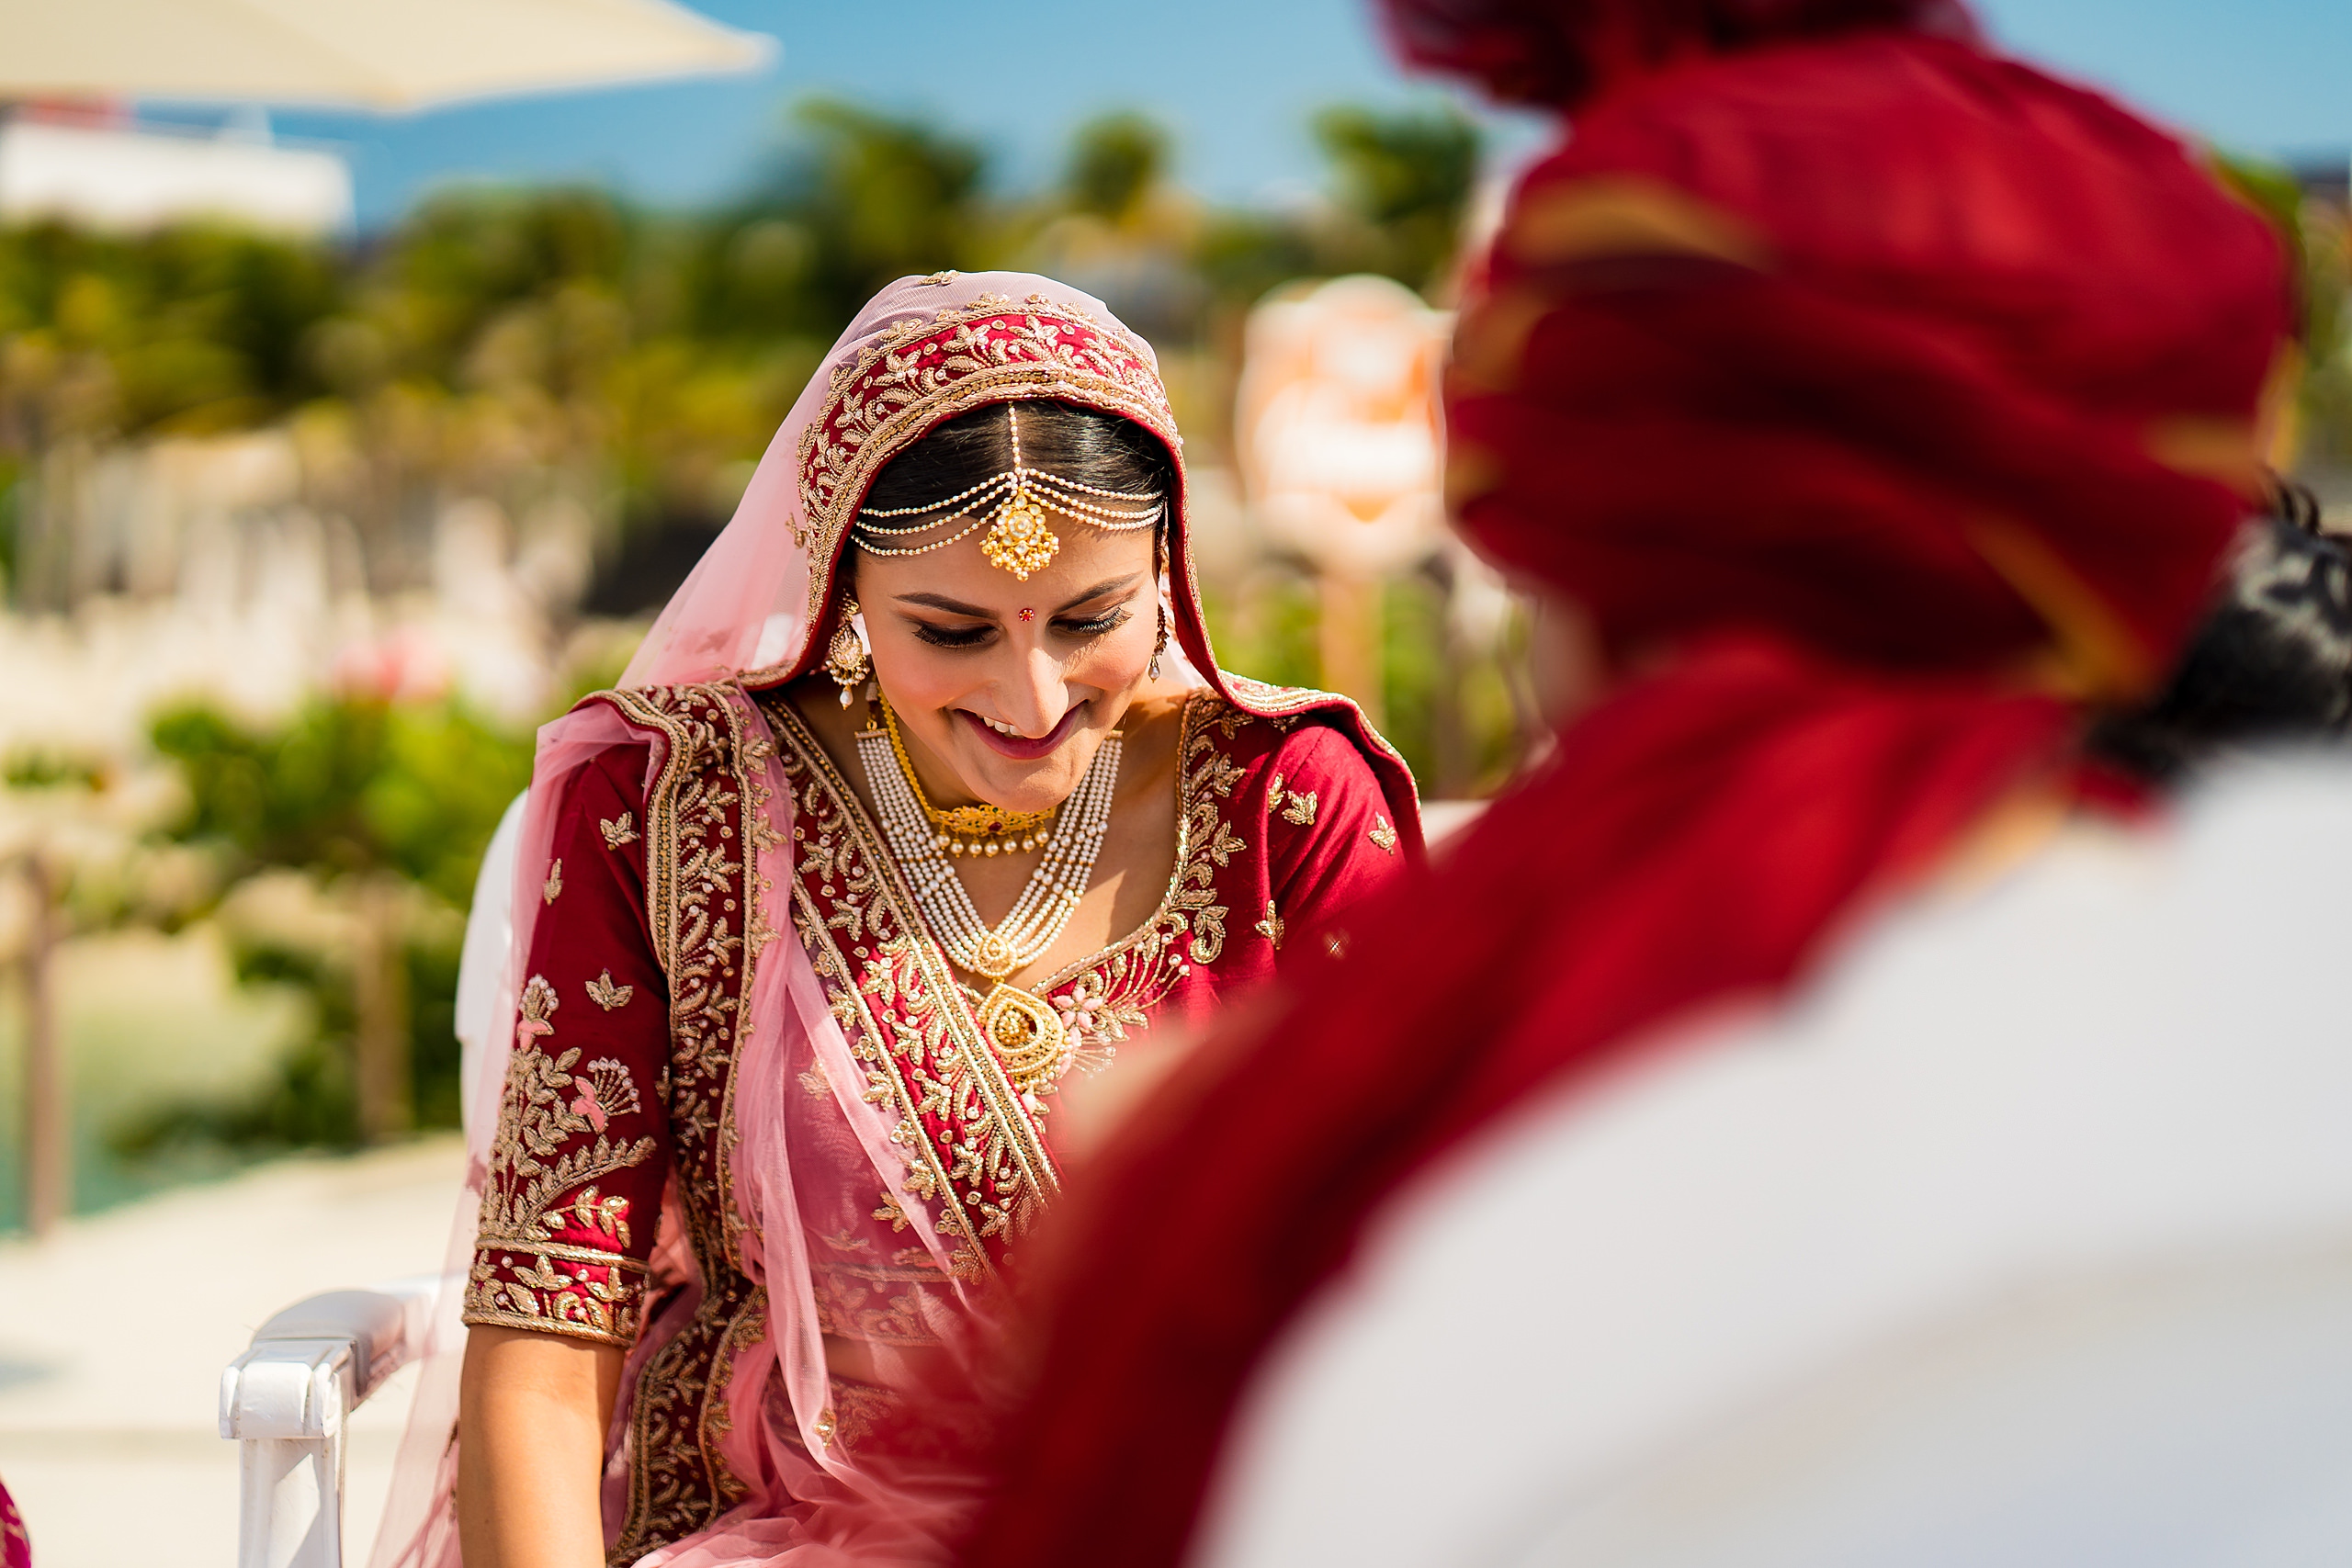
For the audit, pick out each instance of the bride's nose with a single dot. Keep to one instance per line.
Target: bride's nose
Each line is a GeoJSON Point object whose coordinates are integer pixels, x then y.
{"type": "Point", "coordinates": [1035, 697]}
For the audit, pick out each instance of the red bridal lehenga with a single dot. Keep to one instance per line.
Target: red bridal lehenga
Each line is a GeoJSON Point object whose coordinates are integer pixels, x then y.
{"type": "Point", "coordinates": [752, 1130]}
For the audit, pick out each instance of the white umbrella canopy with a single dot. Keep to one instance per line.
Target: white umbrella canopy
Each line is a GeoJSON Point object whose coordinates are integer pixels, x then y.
{"type": "Point", "coordinates": [383, 55]}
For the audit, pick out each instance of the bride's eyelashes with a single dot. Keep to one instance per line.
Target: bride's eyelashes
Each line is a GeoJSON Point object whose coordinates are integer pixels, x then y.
{"type": "Point", "coordinates": [965, 637]}
{"type": "Point", "coordinates": [1096, 625]}
{"type": "Point", "coordinates": [951, 637]}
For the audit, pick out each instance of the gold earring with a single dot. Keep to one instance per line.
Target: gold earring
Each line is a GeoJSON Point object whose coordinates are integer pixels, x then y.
{"type": "Point", "coordinates": [846, 660]}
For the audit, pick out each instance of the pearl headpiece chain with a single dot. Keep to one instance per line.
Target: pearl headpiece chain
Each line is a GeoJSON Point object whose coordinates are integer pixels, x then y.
{"type": "Point", "coordinates": [1018, 539]}
{"type": "Point", "coordinates": [1047, 900]}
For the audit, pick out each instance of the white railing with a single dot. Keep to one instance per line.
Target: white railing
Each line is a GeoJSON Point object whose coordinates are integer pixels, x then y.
{"type": "Point", "coordinates": [285, 1402]}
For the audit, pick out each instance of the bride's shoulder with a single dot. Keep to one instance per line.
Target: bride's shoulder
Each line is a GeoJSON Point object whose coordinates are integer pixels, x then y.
{"type": "Point", "coordinates": [1294, 737]}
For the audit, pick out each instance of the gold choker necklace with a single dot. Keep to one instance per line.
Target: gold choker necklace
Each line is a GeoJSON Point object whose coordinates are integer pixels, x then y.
{"type": "Point", "coordinates": [974, 830]}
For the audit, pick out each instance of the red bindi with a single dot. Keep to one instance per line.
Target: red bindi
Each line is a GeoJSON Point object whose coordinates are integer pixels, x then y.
{"type": "Point", "coordinates": [1028, 614]}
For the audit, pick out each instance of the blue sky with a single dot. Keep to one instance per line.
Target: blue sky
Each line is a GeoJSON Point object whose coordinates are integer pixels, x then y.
{"type": "Point", "coordinates": [1236, 80]}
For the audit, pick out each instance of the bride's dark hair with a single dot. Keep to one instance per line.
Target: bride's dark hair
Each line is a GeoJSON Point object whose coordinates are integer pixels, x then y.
{"type": "Point", "coordinates": [1081, 443]}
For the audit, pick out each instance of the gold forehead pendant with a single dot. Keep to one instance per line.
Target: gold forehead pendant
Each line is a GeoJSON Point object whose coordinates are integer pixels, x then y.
{"type": "Point", "coordinates": [1020, 541]}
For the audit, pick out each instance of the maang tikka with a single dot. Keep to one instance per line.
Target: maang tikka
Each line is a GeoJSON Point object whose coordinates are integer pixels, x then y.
{"type": "Point", "coordinates": [1012, 506]}
{"type": "Point", "coordinates": [847, 659]}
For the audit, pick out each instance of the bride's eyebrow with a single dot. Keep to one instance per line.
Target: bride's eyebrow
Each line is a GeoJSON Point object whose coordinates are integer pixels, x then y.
{"type": "Point", "coordinates": [943, 603]}
{"type": "Point", "coordinates": [1099, 590]}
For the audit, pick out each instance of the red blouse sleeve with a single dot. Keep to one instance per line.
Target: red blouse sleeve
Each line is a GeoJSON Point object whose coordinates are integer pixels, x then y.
{"type": "Point", "coordinates": [1330, 843]}
{"type": "Point", "coordinates": [581, 1152]}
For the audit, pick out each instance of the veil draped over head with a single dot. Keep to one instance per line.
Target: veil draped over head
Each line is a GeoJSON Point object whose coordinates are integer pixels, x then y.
{"type": "Point", "coordinates": [798, 1160]}
{"type": "Point", "coordinates": [1888, 405]}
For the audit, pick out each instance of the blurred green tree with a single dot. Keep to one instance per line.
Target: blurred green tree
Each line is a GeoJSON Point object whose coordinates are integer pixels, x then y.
{"type": "Point", "coordinates": [1114, 161]}
{"type": "Point", "coordinates": [878, 197]}
{"type": "Point", "coordinates": [384, 810]}
{"type": "Point", "coordinates": [1406, 177]}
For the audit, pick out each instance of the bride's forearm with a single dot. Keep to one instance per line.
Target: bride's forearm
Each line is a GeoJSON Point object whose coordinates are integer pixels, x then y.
{"type": "Point", "coordinates": [531, 1424]}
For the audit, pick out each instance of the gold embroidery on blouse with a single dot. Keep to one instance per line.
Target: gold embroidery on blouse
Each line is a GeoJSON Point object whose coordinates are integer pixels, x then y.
{"type": "Point", "coordinates": [617, 832]}
{"type": "Point", "coordinates": [605, 995]}
{"type": "Point", "coordinates": [545, 1107]}
{"type": "Point", "coordinates": [1301, 809]}
{"type": "Point", "coordinates": [1271, 928]}
{"type": "Point", "coordinates": [1106, 995]}
{"type": "Point", "coordinates": [1381, 833]}
{"type": "Point", "coordinates": [555, 881]}
{"type": "Point", "coordinates": [706, 818]}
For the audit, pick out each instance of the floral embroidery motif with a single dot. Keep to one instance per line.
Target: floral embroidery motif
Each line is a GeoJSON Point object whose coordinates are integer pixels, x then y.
{"type": "Point", "coordinates": [1301, 809]}
{"type": "Point", "coordinates": [606, 1091]}
{"type": "Point", "coordinates": [618, 834]}
{"type": "Point", "coordinates": [555, 881]}
{"type": "Point", "coordinates": [539, 999]}
{"type": "Point", "coordinates": [536, 1158]}
{"type": "Point", "coordinates": [605, 995]}
{"type": "Point", "coordinates": [1381, 833]}
{"type": "Point", "coordinates": [1271, 928]}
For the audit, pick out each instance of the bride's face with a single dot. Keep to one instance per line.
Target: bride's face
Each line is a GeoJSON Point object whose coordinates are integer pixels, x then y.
{"type": "Point", "coordinates": [1005, 686]}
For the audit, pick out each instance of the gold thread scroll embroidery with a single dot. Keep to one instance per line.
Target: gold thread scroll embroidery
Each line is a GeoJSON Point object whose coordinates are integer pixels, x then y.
{"type": "Point", "coordinates": [544, 1108]}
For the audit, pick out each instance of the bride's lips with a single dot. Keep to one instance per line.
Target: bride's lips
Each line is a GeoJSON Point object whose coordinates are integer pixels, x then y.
{"type": "Point", "coordinates": [1021, 748]}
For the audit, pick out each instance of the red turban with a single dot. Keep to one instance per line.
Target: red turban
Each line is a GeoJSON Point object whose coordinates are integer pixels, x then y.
{"type": "Point", "coordinates": [1877, 397]}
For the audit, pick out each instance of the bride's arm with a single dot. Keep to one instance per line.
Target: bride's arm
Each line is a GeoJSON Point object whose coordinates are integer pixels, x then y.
{"type": "Point", "coordinates": [573, 1190]}
{"type": "Point", "coordinates": [531, 1448]}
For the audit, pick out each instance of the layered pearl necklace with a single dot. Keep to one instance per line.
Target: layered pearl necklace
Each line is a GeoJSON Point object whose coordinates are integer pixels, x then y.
{"type": "Point", "coordinates": [1054, 888]}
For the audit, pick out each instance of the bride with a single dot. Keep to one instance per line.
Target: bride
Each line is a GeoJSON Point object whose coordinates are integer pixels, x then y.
{"type": "Point", "coordinates": [922, 807]}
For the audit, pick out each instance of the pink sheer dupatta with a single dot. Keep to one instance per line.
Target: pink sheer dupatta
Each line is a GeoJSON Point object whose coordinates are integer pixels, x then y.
{"type": "Point", "coordinates": [870, 1469]}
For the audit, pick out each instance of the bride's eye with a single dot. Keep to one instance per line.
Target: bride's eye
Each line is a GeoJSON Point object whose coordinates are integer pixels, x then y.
{"type": "Point", "coordinates": [1109, 621]}
{"type": "Point", "coordinates": [945, 637]}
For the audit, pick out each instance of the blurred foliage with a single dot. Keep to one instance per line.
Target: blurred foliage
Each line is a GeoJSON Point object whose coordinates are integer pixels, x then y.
{"type": "Point", "coordinates": [1115, 162]}
{"type": "Point", "coordinates": [351, 794]}
{"type": "Point", "coordinates": [1406, 178]}
{"type": "Point", "coordinates": [2317, 234]}
{"type": "Point", "coordinates": [351, 785]}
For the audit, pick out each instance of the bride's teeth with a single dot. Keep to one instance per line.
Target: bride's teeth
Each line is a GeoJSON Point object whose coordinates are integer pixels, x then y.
{"type": "Point", "coordinates": [1001, 729]}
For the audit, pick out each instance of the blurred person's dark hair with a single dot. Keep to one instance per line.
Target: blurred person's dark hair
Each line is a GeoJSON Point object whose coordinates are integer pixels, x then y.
{"type": "Point", "coordinates": [1559, 52]}
{"type": "Point", "coordinates": [2271, 663]}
